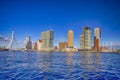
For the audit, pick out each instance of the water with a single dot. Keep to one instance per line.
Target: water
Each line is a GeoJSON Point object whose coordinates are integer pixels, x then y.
{"type": "Point", "coordinates": [59, 66]}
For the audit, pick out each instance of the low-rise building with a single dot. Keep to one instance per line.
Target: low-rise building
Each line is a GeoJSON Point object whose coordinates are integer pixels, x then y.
{"type": "Point", "coordinates": [63, 45]}
{"type": "Point", "coordinates": [39, 45]}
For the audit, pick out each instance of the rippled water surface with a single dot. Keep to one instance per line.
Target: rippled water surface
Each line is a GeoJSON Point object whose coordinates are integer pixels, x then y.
{"type": "Point", "coordinates": [59, 66]}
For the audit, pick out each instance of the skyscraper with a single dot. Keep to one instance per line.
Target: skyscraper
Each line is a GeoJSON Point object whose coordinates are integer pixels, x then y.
{"type": "Point", "coordinates": [47, 39]}
{"type": "Point", "coordinates": [97, 36]}
{"type": "Point", "coordinates": [28, 43]}
{"type": "Point", "coordinates": [70, 39]}
{"type": "Point", "coordinates": [86, 39]}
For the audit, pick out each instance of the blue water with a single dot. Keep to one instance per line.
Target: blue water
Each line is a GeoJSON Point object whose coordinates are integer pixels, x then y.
{"type": "Point", "coordinates": [59, 66]}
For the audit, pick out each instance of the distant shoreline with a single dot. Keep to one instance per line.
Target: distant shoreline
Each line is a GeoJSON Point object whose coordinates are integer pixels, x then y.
{"type": "Point", "coordinates": [60, 51]}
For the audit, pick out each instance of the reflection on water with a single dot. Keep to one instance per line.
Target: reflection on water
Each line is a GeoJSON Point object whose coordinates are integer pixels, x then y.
{"type": "Point", "coordinates": [59, 65]}
{"type": "Point", "coordinates": [90, 63]}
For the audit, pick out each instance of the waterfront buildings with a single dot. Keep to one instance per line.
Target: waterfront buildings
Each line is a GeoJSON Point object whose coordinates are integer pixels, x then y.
{"type": "Point", "coordinates": [86, 39]}
{"type": "Point", "coordinates": [39, 45]}
{"type": "Point", "coordinates": [63, 45]}
{"type": "Point", "coordinates": [28, 43]}
{"type": "Point", "coordinates": [71, 49]}
{"type": "Point", "coordinates": [70, 46]}
{"type": "Point", "coordinates": [70, 39]}
{"type": "Point", "coordinates": [104, 49]}
{"type": "Point", "coordinates": [47, 39]}
{"type": "Point", "coordinates": [97, 36]}
{"type": "Point", "coordinates": [35, 46]}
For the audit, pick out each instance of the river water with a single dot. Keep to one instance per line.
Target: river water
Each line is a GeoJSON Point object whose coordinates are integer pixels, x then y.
{"type": "Point", "coordinates": [59, 66]}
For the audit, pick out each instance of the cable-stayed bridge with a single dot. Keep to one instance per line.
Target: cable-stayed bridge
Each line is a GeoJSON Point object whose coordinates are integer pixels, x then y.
{"type": "Point", "coordinates": [13, 43]}
{"type": "Point", "coordinates": [10, 44]}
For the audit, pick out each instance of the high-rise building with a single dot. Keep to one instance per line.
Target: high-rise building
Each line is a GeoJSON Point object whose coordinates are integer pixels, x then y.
{"type": "Point", "coordinates": [63, 45]}
{"type": "Point", "coordinates": [97, 36]}
{"type": "Point", "coordinates": [82, 41]}
{"type": "Point", "coordinates": [28, 43]}
{"type": "Point", "coordinates": [86, 39]}
{"type": "Point", "coordinates": [70, 39]}
{"type": "Point", "coordinates": [47, 39]}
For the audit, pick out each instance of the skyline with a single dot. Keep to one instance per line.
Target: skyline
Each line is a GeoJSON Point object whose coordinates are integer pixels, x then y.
{"type": "Point", "coordinates": [93, 42]}
{"type": "Point", "coordinates": [30, 18]}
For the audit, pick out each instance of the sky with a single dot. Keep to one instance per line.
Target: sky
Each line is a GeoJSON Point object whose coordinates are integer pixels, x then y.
{"type": "Point", "coordinates": [31, 17]}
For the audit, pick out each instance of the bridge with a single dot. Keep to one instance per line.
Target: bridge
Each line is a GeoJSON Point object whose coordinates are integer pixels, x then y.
{"type": "Point", "coordinates": [9, 43]}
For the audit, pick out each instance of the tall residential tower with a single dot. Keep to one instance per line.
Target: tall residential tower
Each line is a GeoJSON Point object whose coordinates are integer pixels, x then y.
{"type": "Point", "coordinates": [86, 39]}
{"type": "Point", "coordinates": [97, 36]}
{"type": "Point", "coordinates": [70, 39]}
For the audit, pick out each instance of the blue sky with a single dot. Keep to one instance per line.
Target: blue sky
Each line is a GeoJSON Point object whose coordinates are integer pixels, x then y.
{"type": "Point", "coordinates": [31, 17]}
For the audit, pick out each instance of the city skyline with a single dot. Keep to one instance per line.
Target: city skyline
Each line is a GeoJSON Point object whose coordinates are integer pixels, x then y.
{"type": "Point", "coordinates": [60, 16]}
{"type": "Point", "coordinates": [86, 42]}
{"type": "Point", "coordinates": [59, 39]}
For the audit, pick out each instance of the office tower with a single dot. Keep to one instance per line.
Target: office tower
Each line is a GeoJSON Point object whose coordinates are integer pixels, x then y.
{"type": "Point", "coordinates": [28, 43]}
{"type": "Point", "coordinates": [97, 36]}
{"type": "Point", "coordinates": [82, 41]}
{"type": "Point", "coordinates": [70, 39]}
{"type": "Point", "coordinates": [86, 39]}
{"type": "Point", "coordinates": [63, 45]}
{"type": "Point", "coordinates": [47, 39]}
